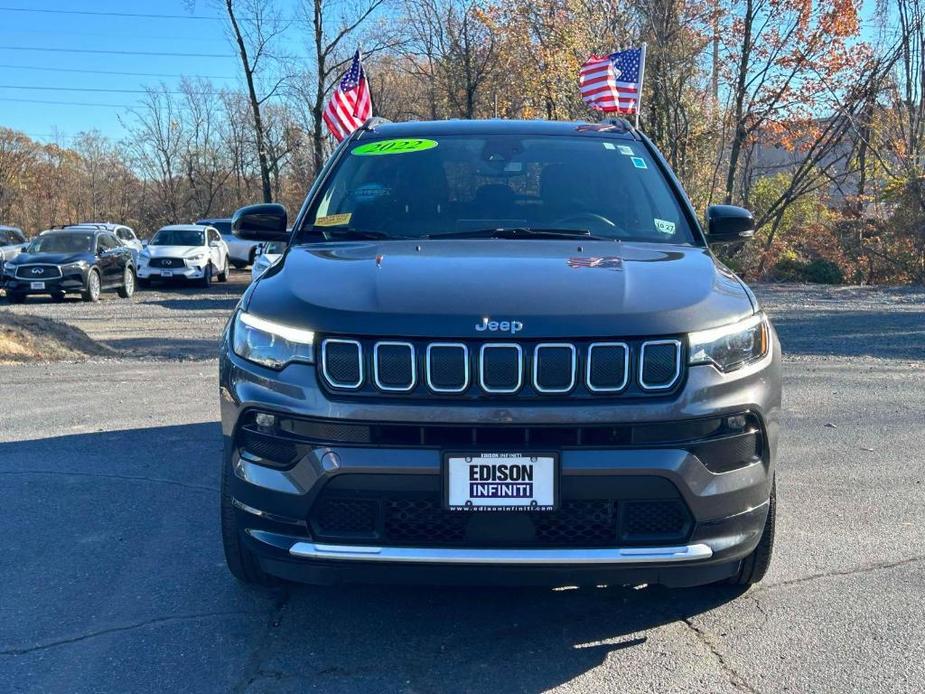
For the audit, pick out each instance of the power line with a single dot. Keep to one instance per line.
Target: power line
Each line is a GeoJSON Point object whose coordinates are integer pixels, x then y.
{"type": "Point", "coordinates": [114, 72]}
{"type": "Point", "coordinates": [111, 14]}
{"type": "Point", "coordinates": [64, 103]}
{"type": "Point", "coordinates": [101, 90]}
{"type": "Point", "coordinates": [110, 52]}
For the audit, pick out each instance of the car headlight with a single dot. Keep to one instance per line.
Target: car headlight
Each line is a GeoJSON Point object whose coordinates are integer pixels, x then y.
{"type": "Point", "coordinates": [79, 265]}
{"type": "Point", "coordinates": [731, 346]}
{"type": "Point", "coordinates": [270, 344]}
{"type": "Point", "coordinates": [199, 257]}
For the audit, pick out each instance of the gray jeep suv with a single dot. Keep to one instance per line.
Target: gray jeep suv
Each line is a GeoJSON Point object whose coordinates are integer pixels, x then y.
{"type": "Point", "coordinates": [498, 351]}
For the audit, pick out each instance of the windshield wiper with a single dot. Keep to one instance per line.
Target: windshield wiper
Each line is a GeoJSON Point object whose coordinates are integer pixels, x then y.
{"type": "Point", "coordinates": [520, 233]}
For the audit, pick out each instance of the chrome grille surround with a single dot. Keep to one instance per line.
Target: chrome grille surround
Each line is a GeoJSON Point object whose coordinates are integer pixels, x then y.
{"type": "Point", "coordinates": [427, 366]}
{"type": "Point", "coordinates": [536, 366]}
{"type": "Point", "coordinates": [49, 272]}
{"type": "Point", "coordinates": [391, 388]}
{"type": "Point", "coordinates": [520, 366]}
{"type": "Point", "coordinates": [324, 363]}
{"type": "Point", "coordinates": [626, 367]}
{"type": "Point", "coordinates": [642, 364]}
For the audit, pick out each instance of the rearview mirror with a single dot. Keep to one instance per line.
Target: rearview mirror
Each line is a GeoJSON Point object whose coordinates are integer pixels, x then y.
{"type": "Point", "coordinates": [727, 223]}
{"type": "Point", "coordinates": [264, 222]}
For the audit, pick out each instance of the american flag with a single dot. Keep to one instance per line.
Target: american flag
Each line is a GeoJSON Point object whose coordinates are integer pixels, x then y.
{"type": "Point", "coordinates": [612, 82]}
{"type": "Point", "coordinates": [350, 104]}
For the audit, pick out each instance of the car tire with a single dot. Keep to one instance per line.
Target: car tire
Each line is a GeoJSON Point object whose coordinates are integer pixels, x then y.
{"type": "Point", "coordinates": [206, 280]}
{"type": "Point", "coordinates": [251, 257]}
{"type": "Point", "coordinates": [755, 565]}
{"type": "Point", "coordinates": [94, 287]}
{"type": "Point", "coordinates": [241, 562]}
{"type": "Point", "coordinates": [15, 298]}
{"type": "Point", "coordinates": [223, 275]}
{"type": "Point", "coordinates": [238, 265]}
{"type": "Point", "coordinates": [127, 290]}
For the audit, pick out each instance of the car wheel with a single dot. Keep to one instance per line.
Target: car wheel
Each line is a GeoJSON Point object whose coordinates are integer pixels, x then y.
{"type": "Point", "coordinates": [252, 256]}
{"type": "Point", "coordinates": [206, 280]}
{"type": "Point", "coordinates": [238, 265]}
{"type": "Point", "coordinates": [128, 283]}
{"type": "Point", "coordinates": [57, 297]}
{"type": "Point", "coordinates": [15, 298]}
{"type": "Point", "coordinates": [755, 565]}
{"type": "Point", "coordinates": [240, 560]}
{"type": "Point", "coordinates": [92, 292]}
{"type": "Point", "coordinates": [223, 275]}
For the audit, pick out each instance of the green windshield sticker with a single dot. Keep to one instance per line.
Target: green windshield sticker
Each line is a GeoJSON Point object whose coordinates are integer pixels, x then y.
{"type": "Point", "coordinates": [639, 162]}
{"type": "Point", "coordinates": [625, 150]}
{"type": "Point", "coordinates": [401, 146]}
{"type": "Point", "coordinates": [664, 226]}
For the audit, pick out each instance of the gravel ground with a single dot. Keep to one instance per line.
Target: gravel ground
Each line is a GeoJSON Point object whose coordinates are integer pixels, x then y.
{"type": "Point", "coordinates": [113, 578]}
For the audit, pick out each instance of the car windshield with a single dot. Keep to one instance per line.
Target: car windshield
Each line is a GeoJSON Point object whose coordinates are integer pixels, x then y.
{"type": "Point", "coordinates": [66, 242]}
{"type": "Point", "coordinates": [9, 237]}
{"type": "Point", "coordinates": [525, 187]}
{"type": "Point", "coordinates": [275, 248]}
{"type": "Point", "coordinates": [178, 237]}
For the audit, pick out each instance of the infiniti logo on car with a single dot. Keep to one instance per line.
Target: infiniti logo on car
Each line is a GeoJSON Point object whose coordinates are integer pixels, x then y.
{"type": "Point", "coordinates": [38, 271]}
{"type": "Point", "coordinates": [504, 326]}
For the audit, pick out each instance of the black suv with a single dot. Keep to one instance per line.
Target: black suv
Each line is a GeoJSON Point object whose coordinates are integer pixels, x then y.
{"type": "Point", "coordinates": [81, 261]}
{"type": "Point", "coordinates": [499, 351]}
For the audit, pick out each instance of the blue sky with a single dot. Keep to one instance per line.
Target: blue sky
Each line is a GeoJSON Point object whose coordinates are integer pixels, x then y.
{"type": "Point", "coordinates": [45, 72]}
{"type": "Point", "coordinates": [200, 32]}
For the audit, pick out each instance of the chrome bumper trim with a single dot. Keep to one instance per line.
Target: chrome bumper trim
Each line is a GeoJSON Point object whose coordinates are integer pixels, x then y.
{"type": "Point", "coordinates": [441, 555]}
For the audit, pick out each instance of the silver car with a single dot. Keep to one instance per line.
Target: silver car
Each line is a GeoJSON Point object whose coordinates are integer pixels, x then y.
{"type": "Point", "coordinates": [241, 253]}
{"type": "Point", "coordinates": [266, 256]}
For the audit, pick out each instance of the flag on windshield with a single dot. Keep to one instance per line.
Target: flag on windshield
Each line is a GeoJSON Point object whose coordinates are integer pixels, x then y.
{"type": "Point", "coordinates": [350, 104]}
{"type": "Point", "coordinates": [613, 83]}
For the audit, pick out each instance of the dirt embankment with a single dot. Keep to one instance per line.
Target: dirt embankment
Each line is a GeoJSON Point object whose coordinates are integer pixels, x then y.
{"type": "Point", "coordinates": [25, 338]}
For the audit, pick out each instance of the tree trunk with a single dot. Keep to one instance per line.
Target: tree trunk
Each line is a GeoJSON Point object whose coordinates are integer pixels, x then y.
{"type": "Point", "coordinates": [255, 106]}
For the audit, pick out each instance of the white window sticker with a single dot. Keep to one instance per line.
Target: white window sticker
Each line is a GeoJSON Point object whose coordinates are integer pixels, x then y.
{"type": "Point", "coordinates": [664, 226]}
{"type": "Point", "coordinates": [628, 151]}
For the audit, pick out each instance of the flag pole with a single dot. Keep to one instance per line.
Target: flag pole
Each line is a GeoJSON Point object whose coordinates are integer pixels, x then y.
{"type": "Point", "coordinates": [642, 76]}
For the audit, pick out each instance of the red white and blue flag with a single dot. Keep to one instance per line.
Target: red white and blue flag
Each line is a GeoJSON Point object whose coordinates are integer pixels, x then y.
{"type": "Point", "coordinates": [350, 104]}
{"type": "Point", "coordinates": [612, 83]}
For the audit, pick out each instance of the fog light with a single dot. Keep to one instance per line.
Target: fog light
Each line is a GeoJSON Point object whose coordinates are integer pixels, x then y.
{"type": "Point", "coordinates": [736, 422]}
{"type": "Point", "coordinates": [264, 420]}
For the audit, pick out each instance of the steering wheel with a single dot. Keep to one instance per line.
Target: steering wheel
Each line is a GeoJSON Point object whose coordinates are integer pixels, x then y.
{"type": "Point", "coordinates": [579, 216]}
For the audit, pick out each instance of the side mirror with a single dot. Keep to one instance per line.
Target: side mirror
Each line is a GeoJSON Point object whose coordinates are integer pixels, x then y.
{"type": "Point", "coordinates": [727, 223]}
{"type": "Point", "coordinates": [265, 222]}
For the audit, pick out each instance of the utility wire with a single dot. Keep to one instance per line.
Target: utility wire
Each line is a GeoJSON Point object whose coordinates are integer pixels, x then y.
{"type": "Point", "coordinates": [100, 90]}
{"type": "Point", "coordinates": [44, 49]}
{"type": "Point", "coordinates": [114, 72]}
{"type": "Point", "coordinates": [65, 103]}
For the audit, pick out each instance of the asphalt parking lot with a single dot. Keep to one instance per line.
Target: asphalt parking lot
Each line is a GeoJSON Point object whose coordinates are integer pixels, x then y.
{"type": "Point", "coordinates": [113, 578]}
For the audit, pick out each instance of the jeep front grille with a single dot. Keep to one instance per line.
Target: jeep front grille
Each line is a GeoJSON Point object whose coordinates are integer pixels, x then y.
{"type": "Point", "coordinates": [640, 368]}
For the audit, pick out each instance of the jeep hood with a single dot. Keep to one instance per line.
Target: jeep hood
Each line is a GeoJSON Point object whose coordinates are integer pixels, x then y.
{"type": "Point", "coordinates": [556, 289]}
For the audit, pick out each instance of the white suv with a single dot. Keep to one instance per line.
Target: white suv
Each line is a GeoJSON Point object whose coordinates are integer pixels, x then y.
{"type": "Point", "coordinates": [184, 251]}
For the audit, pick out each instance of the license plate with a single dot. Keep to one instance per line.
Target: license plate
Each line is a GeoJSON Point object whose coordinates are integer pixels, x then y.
{"type": "Point", "coordinates": [36, 285]}
{"type": "Point", "coordinates": [166, 273]}
{"type": "Point", "coordinates": [501, 482]}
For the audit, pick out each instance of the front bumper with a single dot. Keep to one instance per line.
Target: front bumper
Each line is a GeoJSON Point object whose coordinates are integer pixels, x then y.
{"type": "Point", "coordinates": [70, 282]}
{"type": "Point", "coordinates": [189, 273]}
{"type": "Point", "coordinates": [727, 510]}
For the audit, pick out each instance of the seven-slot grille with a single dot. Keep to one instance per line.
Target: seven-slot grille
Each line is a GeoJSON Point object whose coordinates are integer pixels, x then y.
{"type": "Point", "coordinates": [38, 272]}
{"type": "Point", "coordinates": [502, 368]}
